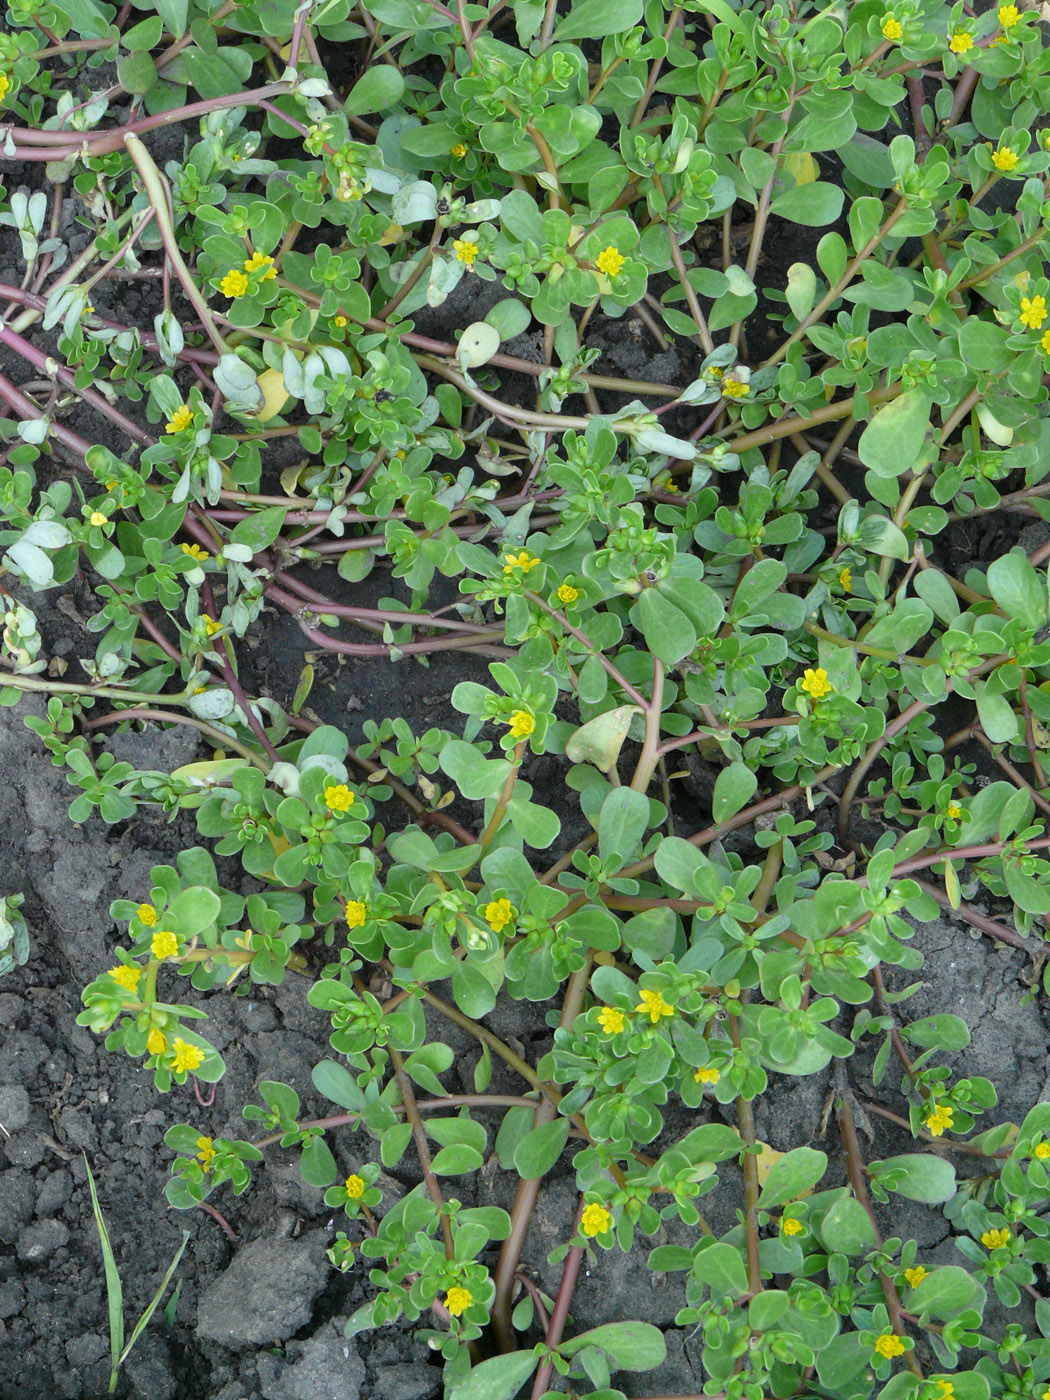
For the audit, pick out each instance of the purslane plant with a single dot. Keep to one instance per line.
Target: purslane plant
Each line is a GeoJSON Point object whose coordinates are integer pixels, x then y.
{"type": "Point", "coordinates": [735, 585]}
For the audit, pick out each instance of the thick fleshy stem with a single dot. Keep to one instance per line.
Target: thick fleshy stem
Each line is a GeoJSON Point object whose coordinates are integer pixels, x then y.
{"type": "Point", "coordinates": [419, 1137]}
{"type": "Point", "coordinates": [528, 1191]}
{"type": "Point", "coordinates": [569, 1277]}
{"type": "Point", "coordinates": [855, 1173]}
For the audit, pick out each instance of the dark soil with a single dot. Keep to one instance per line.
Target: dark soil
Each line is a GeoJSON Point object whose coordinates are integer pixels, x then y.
{"type": "Point", "coordinates": [261, 1317]}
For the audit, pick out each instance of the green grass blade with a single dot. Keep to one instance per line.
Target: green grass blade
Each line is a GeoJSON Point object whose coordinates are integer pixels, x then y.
{"type": "Point", "coordinates": [114, 1290]}
{"type": "Point", "coordinates": [154, 1302]}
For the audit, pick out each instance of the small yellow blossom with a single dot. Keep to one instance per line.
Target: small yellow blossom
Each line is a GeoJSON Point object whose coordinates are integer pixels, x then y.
{"type": "Point", "coordinates": [5, 86]}
{"type": "Point", "coordinates": [1033, 312]}
{"type": "Point", "coordinates": [354, 1187]}
{"type": "Point", "coordinates": [595, 1220]}
{"type": "Point", "coordinates": [258, 261]}
{"type": "Point", "coordinates": [1005, 159]}
{"type": "Point", "coordinates": [567, 594]}
{"type": "Point", "coordinates": [891, 28]}
{"type": "Point", "coordinates": [126, 976]}
{"type": "Point", "coordinates": [1008, 15]}
{"type": "Point", "coordinates": [791, 1226]}
{"type": "Point", "coordinates": [1045, 342]}
{"type": "Point", "coordinates": [339, 322]}
{"type": "Point", "coordinates": [889, 1345]}
{"type": "Point", "coordinates": [164, 944]}
{"type": "Point", "coordinates": [196, 551]}
{"type": "Point", "coordinates": [915, 1276]}
{"type": "Point", "coordinates": [499, 914]}
{"type": "Point", "coordinates": [610, 260]}
{"type": "Point", "coordinates": [815, 683]}
{"type": "Point", "coordinates": [98, 517]}
{"type": "Point", "coordinates": [521, 724]}
{"type": "Point", "coordinates": [338, 797]}
{"type": "Point", "coordinates": [960, 41]}
{"type": "Point", "coordinates": [210, 625]}
{"type": "Point", "coordinates": [939, 1119]}
{"type": "Point", "coordinates": [458, 1300]}
{"type": "Point", "coordinates": [996, 1239]}
{"type": "Point", "coordinates": [733, 388]}
{"type": "Point", "coordinates": [1041, 1150]}
{"type": "Point", "coordinates": [234, 284]}
{"type": "Point", "coordinates": [356, 913]}
{"type": "Point", "coordinates": [707, 1074]}
{"type": "Point", "coordinates": [459, 150]}
{"type": "Point", "coordinates": [466, 251]}
{"type": "Point", "coordinates": [187, 1057]}
{"type": "Point", "coordinates": [111, 485]}
{"type": "Point", "coordinates": [846, 580]}
{"type": "Point", "coordinates": [946, 1389]}
{"type": "Point", "coordinates": [205, 1151]}
{"type": "Point", "coordinates": [523, 560]}
{"type": "Point", "coordinates": [181, 418]}
{"type": "Point", "coordinates": [653, 1005]}
{"type": "Point", "coordinates": [954, 812]}
{"type": "Point", "coordinates": [156, 1042]}
{"type": "Point", "coordinates": [611, 1019]}
{"type": "Point", "coordinates": [86, 310]}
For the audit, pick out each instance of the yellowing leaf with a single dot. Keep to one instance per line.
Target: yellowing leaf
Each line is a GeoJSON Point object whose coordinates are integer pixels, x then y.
{"type": "Point", "coordinates": [274, 394]}
{"type": "Point", "coordinates": [951, 885]}
{"type": "Point", "coordinates": [767, 1159]}
{"type": "Point", "coordinates": [394, 234]}
{"type": "Point", "coordinates": [802, 166]}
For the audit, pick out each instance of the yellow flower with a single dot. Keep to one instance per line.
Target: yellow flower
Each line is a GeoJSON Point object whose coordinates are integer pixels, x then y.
{"type": "Point", "coordinates": [205, 1151]}
{"type": "Point", "coordinates": [707, 1074]}
{"type": "Point", "coordinates": [996, 1239]}
{"type": "Point", "coordinates": [611, 1020]}
{"type": "Point", "coordinates": [196, 551]}
{"type": "Point", "coordinates": [98, 517]}
{"type": "Point", "coordinates": [567, 594]}
{"type": "Point", "coordinates": [734, 388]}
{"type": "Point", "coordinates": [234, 284]}
{"type": "Point", "coordinates": [610, 260]}
{"type": "Point", "coordinates": [960, 41]}
{"type": "Point", "coordinates": [210, 625]}
{"type": "Point", "coordinates": [5, 86]}
{"type": "Point", "coordinates": [523, 560]}
{"type": "Point", "coordinates": [595, 1220]}
{"type": "Point", "coordinates": [499, 914]}
{"type": "Point", "coordinates": [164, 944]}
{"type": "Point", "coordinates": [846, 580]}
{"type": "Point", "coordinates": [1008, 15]}
{"type": "Point", "coordinates": [458, 1300]}
{"type": "Point", "coordinates": [653, 1005]}
{"type": "Point", "coordinates": [466, 251]}
{"type": "Point", "coordinates": [889, 1345]}
{"type": "Point", "coordinates": [947, 1390]}
{"type": "Point", "coordinates": [915, 1276]}
{"type": "Point", "coordinates": [187, 1057]}
{"type": "Point", "coordinates": [339, 322]}
{"type": "Point", "coordinates": [261, 260]}
{"type": "Point", "coordinates": [1045, 342]}
{"type": "Point", "coordinates": [1041, 1150]}
{"type": "Point", "coordinates": [891, 28]}
{"type": "Point", "coordinates": [156, 1042]}
{"type": "Point", "coordinates": [459, 150]}
{"type": "Point", "coordinates": [521, 724]}
{"type": "Point", "coordinates": [356, 913]}
{"type": "Point", "coordinates": [355, 1187]}
{"type": "Point", "coordinates": [816, 683]}
{"type": "Point", "coordinates": [954, 812]}
{"type": "Point", "coordinates": [1004, 158]}
{"type": "Point", "coordinates": [111, 485]}
{"type": "Point", "coordinates": [939, 1119]}
{"type": "Point", "coordinates": [791, 1226]}
{"type": "Point", "coordinates": [181, 418]}
{"type": "Point", "coordinates": [1033, 312]}
{"type": "Point", "coordinates": [126, 976]}
{"type": "Point", "coordinates": [338, 797]}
